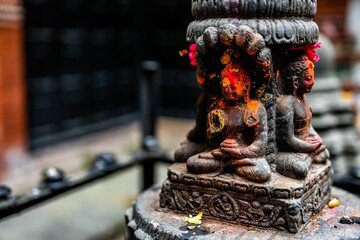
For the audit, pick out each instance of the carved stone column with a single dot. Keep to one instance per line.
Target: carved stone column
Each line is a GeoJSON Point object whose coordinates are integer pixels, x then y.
{"type": "Point", "coordinates": [253, 157]}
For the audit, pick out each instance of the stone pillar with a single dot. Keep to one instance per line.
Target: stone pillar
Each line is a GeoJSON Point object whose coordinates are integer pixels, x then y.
{"type": "Point", "coordinates": [253, 158]}
{"type": "Point", "coordinates": [253, 149]}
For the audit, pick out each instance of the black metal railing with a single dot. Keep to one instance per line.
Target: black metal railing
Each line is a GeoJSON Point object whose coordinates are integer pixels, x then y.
{"type": "Point", "coordinates": [54, 181]}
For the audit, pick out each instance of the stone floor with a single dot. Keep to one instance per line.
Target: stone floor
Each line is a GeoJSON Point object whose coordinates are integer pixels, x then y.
{"type": "Point", "coordinates": [96, 211]}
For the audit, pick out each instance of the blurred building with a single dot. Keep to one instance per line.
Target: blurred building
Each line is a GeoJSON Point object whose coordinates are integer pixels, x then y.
{"type": "Point", "coordinates": [69, 68]}
{"type": "Point", "coordinates": [339, 21]}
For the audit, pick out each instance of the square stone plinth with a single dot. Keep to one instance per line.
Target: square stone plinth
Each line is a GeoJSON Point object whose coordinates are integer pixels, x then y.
{"type": "Point", "coordinates": [283, 203]}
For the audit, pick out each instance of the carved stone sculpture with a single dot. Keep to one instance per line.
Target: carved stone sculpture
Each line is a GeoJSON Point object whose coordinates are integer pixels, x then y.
{"type": "Point", "coordinates": [253, 156]}
{"type": "Point", "coordinates": [236, 127]}
{"type": "Point", "coordinates": [298, 143]}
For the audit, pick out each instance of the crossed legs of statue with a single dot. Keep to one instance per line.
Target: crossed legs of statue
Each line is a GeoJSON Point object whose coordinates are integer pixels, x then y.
{"type": "Point", "coordinates": [254, 169]}
{"type": "Point", "coordinates": [297, 165]}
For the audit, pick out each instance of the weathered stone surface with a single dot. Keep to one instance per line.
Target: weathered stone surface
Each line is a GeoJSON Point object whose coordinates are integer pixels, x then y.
{"type": "Point", "coordinates": [284, 31]}
{"type": "Point", "coordinates": [283, 203]}
{"type": "Point", "coordinates": [253, 157]}
{"type": "Point", "coordinates": [278, 21]}
{"type": "Point", "coordinates": [146, 220]}
{"type": "Point", "coordinates": [253, 8]}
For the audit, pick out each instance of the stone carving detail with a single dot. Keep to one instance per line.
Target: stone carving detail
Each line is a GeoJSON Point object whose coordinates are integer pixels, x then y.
{"type": "Point", "coordinates": [231, 199]}
{"type": "Point", "coordinates": [285, 31]}
{"type": "Point", "coordinates": [188, 201]}
{"type": "Point", "coordinates": [253, 156]}
{"type": "Point", "coordinates": [223, 206]}
{"type": "Point", "coordinates": [278, 21]}
{"type": "Point", "coordinates": [236, 129]}
{"type": "Point", "coordinates": [253, 8]}
{"type": "Point", "coordinates": [297, 141]}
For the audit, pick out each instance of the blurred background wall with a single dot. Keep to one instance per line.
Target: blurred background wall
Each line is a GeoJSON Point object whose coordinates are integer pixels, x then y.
{"type": "Point", "coordinates": [13, 125]}
{"type": "Point", "coordinates": [69, 67]}
{"type": "Point", "coordinates": [82, 58]}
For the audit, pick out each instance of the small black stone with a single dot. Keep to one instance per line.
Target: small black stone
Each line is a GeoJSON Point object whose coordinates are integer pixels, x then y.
{"type": "Point", "coordinates": [356, 219]}
{"type": "Point", "coordinates": [346, 220]}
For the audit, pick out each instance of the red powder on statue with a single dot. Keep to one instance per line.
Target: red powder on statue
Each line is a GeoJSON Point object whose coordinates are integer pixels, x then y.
{"type": "Point", "coordinates": [309, 51]}
{"type": "Point", "coordinates": [192, 54]}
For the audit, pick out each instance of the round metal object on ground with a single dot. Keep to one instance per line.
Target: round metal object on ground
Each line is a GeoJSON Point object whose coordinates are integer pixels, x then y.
{"type": "Point", "coordinates": [5, 192]}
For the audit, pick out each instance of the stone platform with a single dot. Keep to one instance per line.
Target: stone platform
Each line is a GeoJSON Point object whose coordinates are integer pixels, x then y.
{"type": "Point", "coordinates": [282, 203]}
{"type": "Point", "coordinates": [146, 220]}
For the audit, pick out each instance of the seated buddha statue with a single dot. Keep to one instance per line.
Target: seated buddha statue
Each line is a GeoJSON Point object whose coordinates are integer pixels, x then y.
{"type": "Point", "coordinates": [298, 143]}
{"type": "Point", "coordinates": [236, 128]}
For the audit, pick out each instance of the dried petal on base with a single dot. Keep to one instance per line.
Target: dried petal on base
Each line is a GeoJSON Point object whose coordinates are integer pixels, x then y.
{"type": "Point", "coordinates": [195, 220]}
{"type": "Point", "coordinates": [334, 203]}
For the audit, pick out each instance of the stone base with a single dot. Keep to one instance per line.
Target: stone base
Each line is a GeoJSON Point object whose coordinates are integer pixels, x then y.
{"type": "Point", "coordinates": [146, 220]}
{"type": "Point", "coordinates": [282, 203]}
